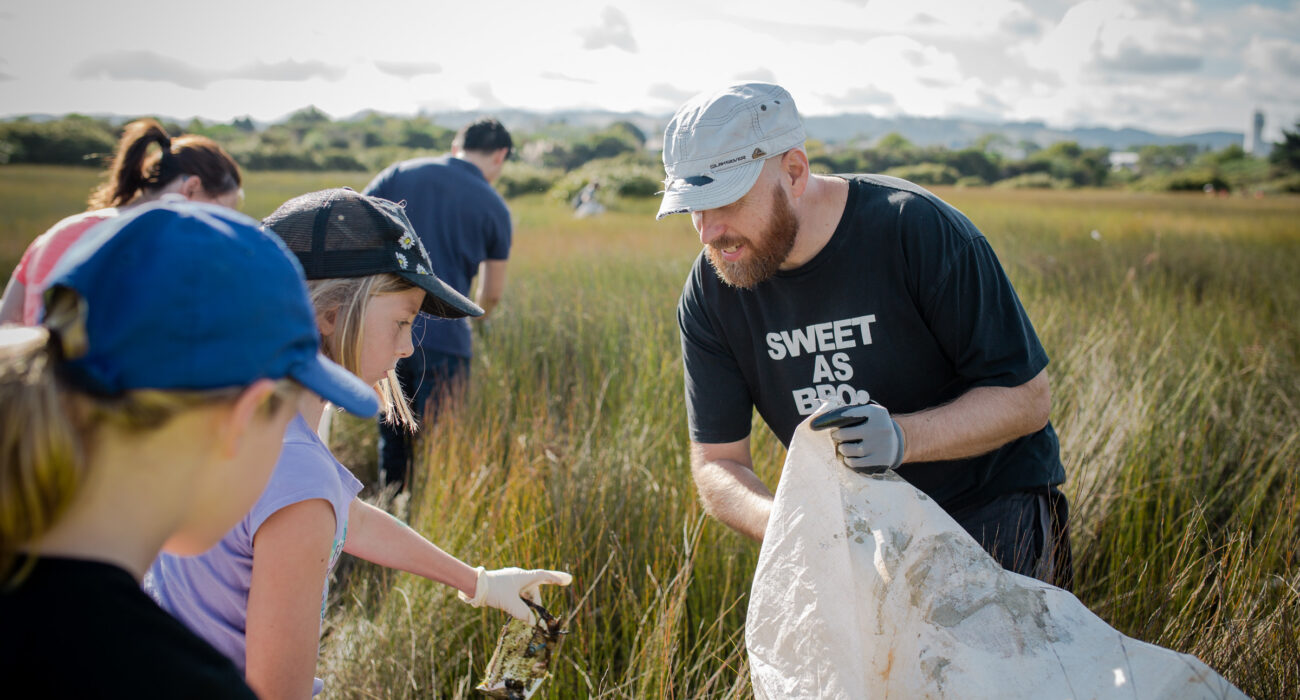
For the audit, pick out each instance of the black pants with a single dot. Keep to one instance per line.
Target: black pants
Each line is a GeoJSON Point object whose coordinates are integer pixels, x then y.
{"type": "Point", "coordinates": [1027, 532]}
{"type": "Point", "coordinates": [428, 380]}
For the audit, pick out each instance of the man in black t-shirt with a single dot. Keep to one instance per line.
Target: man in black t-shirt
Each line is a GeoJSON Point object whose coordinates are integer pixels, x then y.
{"type": "Point", "coordinates": [866, 290]}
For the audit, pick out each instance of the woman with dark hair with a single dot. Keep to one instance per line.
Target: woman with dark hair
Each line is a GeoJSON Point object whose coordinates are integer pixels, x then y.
{"type": "Point", "coordinates": [191, 166]}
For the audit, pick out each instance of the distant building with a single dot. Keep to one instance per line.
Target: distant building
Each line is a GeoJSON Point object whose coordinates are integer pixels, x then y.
{"type": "Point", "coordinates": [1254, 142]}
{"type": "Point", "coordinates": [1123, 160]}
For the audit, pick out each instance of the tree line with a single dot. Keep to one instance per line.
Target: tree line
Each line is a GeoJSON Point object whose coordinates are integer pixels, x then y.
{"type": "Point", "coordinates": [560, 158]}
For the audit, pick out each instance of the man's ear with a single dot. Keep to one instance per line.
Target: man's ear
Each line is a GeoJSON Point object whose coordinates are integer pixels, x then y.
{"type": "Point", "coordinates": [795, 171]}
{"type": "Point", "coordinates": [241, 415]}
{"type": "Point", "coordinates": [499, 156]}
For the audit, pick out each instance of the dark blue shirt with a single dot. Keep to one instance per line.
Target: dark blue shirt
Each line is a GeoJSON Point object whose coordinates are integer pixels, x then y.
{"type": "Point", "coordinates": [906, 304]}
{"type": "Point", "coordinates": [462, 221]}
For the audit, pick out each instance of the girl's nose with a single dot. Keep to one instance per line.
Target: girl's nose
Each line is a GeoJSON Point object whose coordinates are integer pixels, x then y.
{"type": "Point", "coordinates": [406, 348]}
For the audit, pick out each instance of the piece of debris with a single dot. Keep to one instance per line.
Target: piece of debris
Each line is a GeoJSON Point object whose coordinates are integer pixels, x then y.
{"type": "Point", "coordinates": [523, 656]}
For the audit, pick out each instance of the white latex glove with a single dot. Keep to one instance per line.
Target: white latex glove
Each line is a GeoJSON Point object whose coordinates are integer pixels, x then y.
{"type": "Point", "coordinates": [865, 437]}
{"type": "Point", "coordinates": [505, 589]}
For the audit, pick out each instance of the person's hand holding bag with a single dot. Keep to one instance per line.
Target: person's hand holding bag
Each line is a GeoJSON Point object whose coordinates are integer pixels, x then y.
{"type": "Point", "coordinates": [866, 438]}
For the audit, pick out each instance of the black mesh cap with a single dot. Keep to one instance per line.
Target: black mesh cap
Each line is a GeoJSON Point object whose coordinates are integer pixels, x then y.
{"type": "Point", "coordinates": [342, 233]}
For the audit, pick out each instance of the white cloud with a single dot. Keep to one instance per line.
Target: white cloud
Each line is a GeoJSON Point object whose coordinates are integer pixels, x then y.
{"type": "Point", "coordinates": [1066, 50]}
{"type": "Point", "coordinates": [764, 75]}
{"type": "Point", "coordinates": [1183, 65]}
{"type": "Point", "coordinates": [153, 67]}
{"type": "Point", "coordinates": [916, 18]}
{"type": "Point", "coordinates": [613, 30]}
{"type": "Point", "coordinates": [900, 75]}
{"type": "Point", "coordinates": [285, 71]}
{"type": "Point", "coordinates": [483, 93]}
{"type": "Point", "coordinates": [141, 65]}
{"type": "Point", "coordinates": [668, 94]}
{"type": "Point", "coordinates": [943, 18]}
{"type": "Point", "coordinates": [1133, 58]}
{"type": "Point", "coordinates": [552, 75]}
{"type": "Point", "coordinates": [408, 69]}
{"type": "Point", "coordinates": [1275, 58]}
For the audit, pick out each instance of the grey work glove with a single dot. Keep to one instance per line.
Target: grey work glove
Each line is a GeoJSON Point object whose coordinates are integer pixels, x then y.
{"type": "Point", "coordinates": [866, 438]}
{"type": "Point", "coordinates": [505, 589]}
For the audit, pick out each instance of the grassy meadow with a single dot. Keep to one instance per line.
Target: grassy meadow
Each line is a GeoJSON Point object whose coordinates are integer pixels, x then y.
{"type": "Point", "coordinates": [1173, 324]}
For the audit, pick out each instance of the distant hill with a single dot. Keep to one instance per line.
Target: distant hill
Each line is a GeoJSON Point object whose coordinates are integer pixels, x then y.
{"type": "Point", "coordinates": [839, 129]}
{"type": "Point", "coordinates": [848, 128]}
{"type": "Point", "coordinates": [959, 133]}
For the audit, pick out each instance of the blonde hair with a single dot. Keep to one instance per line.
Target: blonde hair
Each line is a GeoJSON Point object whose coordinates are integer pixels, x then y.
{"type": "Point", "coordinates": [46, 430]}
{"type": "Point", "coordinates": [348, 298]}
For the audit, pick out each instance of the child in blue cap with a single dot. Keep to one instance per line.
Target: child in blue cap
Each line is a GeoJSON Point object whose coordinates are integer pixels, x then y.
{"type": "Point", "coordinates": [145, 413]}
{"type": "Point", "coordinates": [259, 595]}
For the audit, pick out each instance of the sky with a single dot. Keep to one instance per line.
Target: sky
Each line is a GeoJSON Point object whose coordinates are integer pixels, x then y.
{"type": "Point", "coordinates": [1173, 66]}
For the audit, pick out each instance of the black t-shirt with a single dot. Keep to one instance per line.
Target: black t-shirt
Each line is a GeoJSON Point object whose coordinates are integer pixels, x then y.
{"type": "Point", "coordinates": [906, 303]}
{"type": "Point", "coordinates": [78, 628]}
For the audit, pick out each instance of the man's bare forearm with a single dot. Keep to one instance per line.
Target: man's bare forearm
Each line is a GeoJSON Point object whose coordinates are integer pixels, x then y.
{"type": "Point", "coordinates": [733, 494]}
{"type": "Point", "coordinates": [979, 421]}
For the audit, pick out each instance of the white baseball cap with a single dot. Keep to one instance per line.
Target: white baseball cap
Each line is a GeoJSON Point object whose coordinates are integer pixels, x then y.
{"type": "Point", "coordinates": [716, 143]}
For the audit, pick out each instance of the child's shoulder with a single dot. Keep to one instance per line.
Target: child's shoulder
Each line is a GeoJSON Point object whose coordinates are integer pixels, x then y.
{"type": "Point", "coordinates": [305, 461]}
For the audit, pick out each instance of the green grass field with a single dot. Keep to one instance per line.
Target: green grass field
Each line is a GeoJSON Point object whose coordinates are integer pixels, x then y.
{"type": "Point", "coordinates": [1174, 333]}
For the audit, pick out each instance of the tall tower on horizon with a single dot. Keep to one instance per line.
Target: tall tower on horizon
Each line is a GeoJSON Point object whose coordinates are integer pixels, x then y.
{"type": "Point", "coordinates": [1254, 139]}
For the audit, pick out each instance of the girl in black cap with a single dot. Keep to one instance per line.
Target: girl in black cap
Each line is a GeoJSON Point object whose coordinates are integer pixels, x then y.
{"type": "Point", "coordinates": [259, 595]}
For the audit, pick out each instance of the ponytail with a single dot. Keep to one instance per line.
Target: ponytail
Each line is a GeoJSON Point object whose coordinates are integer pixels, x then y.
{"type": "Point", "coordinates": [126, 176]}
{"type": "Point", "coordinates": [135, 168]}
{"type": "Point", "coordinates": [41, 461]}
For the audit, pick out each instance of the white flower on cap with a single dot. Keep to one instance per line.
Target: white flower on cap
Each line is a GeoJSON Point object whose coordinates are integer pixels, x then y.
{"type": "Point", "coordinates": [401, 260]}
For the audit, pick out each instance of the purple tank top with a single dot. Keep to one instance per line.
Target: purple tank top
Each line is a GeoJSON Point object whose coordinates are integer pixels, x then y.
{"type": "Point", "coordinates": [209, 592]}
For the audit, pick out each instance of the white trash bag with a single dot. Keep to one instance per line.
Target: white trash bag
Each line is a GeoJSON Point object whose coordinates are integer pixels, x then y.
{"type": "Point", "coordinates": [865, 588]}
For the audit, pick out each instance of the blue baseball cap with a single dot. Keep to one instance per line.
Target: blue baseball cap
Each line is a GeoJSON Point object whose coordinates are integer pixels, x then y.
{"type": "Point", "coordinates": [189, 296]}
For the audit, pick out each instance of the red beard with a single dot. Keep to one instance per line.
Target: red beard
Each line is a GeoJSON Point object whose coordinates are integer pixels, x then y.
{"type": "Point", "coordinates": [762, 256]}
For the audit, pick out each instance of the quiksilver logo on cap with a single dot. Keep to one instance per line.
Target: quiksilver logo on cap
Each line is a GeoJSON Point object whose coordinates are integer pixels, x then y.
{"type": "Point", "coordinates": [715, 166]}
{"type": "Point", "coordinates": [758, 153]}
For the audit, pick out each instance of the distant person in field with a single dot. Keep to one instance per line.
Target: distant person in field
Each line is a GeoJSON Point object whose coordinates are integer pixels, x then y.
{"type": "Point", "coordinates": [586, 203]}
{"type": "Point", "coordinates": [864, 289]}
{"type": "Point", "coordinates": [259, 595]}
{"type": "Point", "coordinates": [144, 413]}
{"type": "Point", "coordinates": [193, 167]}
{"type": "Point", "coordinates": [466, 228]}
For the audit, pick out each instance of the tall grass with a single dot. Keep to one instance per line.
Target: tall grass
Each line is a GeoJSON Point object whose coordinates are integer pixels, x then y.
{"type": "Point", "coordinates": [1175, 371]}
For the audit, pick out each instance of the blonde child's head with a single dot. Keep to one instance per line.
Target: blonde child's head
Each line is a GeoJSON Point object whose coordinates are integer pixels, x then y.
{"type": "Point", "coordinates": [366, 269]}
{"type": "Point", "coordinates": [179, 330]}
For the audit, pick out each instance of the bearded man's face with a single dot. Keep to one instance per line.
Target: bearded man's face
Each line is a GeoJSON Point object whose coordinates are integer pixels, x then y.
{"type": "Point", "coordinates": [744, 261]}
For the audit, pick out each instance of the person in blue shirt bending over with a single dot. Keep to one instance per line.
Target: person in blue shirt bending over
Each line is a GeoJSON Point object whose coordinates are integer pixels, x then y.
{"type": "Point", "coordinates": [465, 226]}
